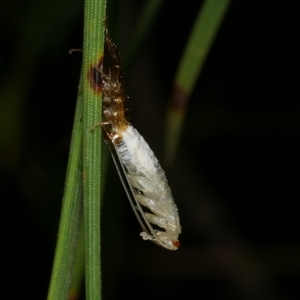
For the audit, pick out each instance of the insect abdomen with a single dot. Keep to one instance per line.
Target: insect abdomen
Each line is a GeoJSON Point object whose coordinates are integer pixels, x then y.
{"type": "Point", "coordinates": [145, 174]}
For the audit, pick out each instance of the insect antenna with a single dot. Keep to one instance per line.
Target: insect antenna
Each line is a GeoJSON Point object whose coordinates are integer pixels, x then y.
{"type": "Point", "coordinates": [129, 196]}
{"type": "Point", "coordinates": [136, 206]}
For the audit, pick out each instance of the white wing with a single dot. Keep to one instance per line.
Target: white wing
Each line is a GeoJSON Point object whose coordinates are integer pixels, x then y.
{"type": "Point", "coordinates": [148, 185]}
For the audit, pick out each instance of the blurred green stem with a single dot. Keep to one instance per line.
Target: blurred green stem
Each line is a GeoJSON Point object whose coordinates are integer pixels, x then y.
{"type": "Point", "coordinates": [70, 215]}
{"type": "Point", "coordinates": [203, 35]}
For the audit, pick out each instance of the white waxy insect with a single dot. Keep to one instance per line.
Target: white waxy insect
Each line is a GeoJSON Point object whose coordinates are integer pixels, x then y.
{"type": "Point", "coordinates": [149, 195]}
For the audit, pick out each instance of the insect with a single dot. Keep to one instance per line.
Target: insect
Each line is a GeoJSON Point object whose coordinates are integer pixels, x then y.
{"type": "Point", "coordinates": [144, 180]}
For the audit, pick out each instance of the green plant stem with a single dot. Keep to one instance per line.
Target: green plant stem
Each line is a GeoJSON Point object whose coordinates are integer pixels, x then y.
{"type": "Point", "coordinates": [201, 39]}
{"type": "Point", "coordinates": [94, 17]}
{"type": "Point", "coordinates": [203, 34]}
{"type": "Point", "coordinates": [78, 269]}
{"type": "Point", "coordinates": [70, 216]}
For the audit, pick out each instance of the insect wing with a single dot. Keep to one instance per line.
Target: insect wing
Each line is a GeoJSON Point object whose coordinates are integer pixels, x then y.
{"type": "Point", "coordinates": [148, 231]}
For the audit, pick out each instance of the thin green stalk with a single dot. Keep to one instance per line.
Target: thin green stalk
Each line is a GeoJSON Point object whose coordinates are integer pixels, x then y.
{"type": "Point", "coordinates": [205, 29]}
{"type": "Point", "coordinates": [70, 216]}
{"type": "Point", "coordinates": [93, 46]}
{"type": "Point", "coordinates": [202, 37]}
{"type": "Point", "coordinates": [78, 269]}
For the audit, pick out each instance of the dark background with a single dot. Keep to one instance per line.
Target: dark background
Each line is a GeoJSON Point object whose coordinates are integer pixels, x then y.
{"type": "Point", "coordinates": [235, 178]}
